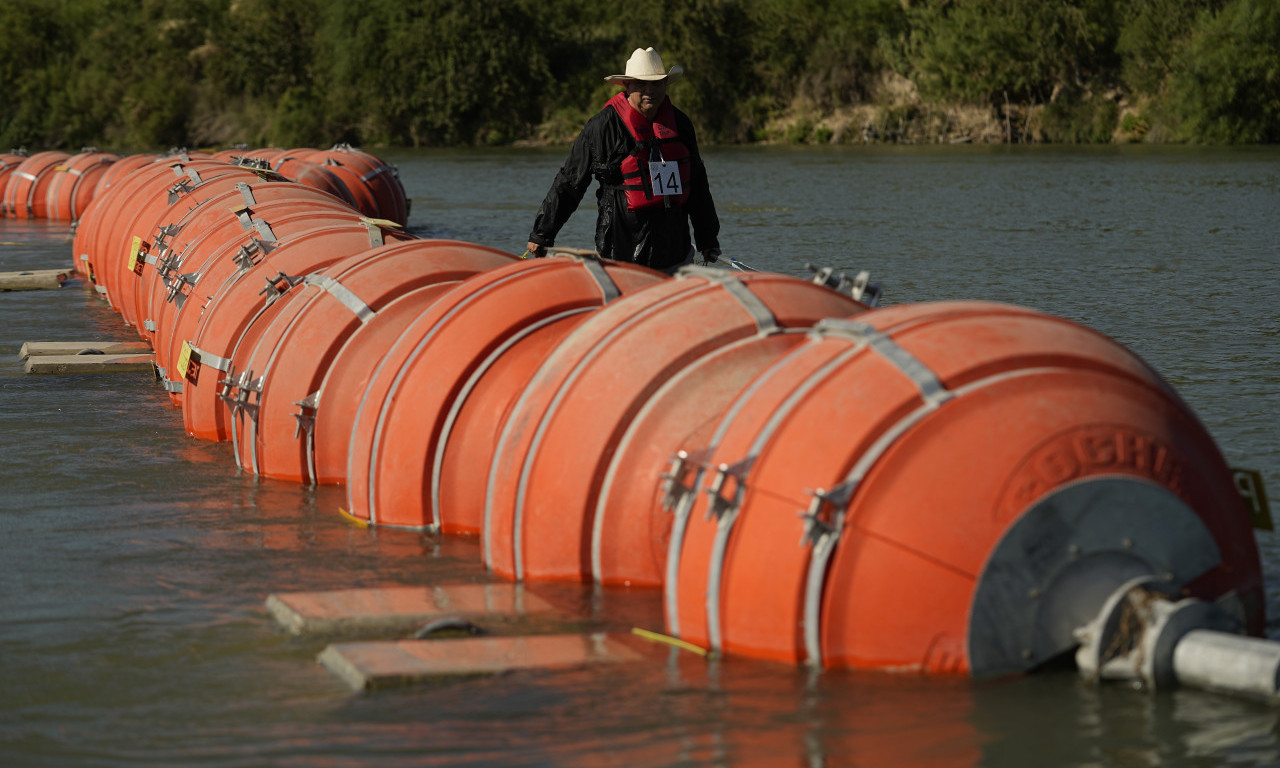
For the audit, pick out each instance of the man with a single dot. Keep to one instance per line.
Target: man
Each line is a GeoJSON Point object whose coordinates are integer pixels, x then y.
{"type": "Point", "coordinates": [644, 153]}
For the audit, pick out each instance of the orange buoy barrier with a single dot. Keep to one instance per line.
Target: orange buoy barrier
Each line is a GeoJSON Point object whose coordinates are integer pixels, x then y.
{"type": "Point", "coordinates": [207, 339]}
{"type": "Point", "coordinates": [207, 240]}
{"type": "Point", "coordinates": [359, 169]}
{"type": "Point", "coordinates": [28, 185]}
{"type": "Point", "coordinates": [287, 363]}
{"type": "Point", "coordinates": [568, 420]}
{"type": "Point", "coordinates": [75, 183]}
{"type": "Point", "coordinates": [938, 487]}
{"type": "Point", "coordinates": [436, 398]}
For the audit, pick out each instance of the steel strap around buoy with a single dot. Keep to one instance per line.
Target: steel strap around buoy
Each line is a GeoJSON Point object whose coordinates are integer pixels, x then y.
{"type": "Point", "coordinates": [363, 312]}
{"type": "Point", "coordinates": [683, 496]}
{"type": "Point", "coordinates": [823, 531]}
{"type": "Point", "coordinates": [206, 358]}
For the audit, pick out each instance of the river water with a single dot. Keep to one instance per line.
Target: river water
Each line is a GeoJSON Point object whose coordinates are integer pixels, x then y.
{"type": "Point", "coordinates": [134, 561]}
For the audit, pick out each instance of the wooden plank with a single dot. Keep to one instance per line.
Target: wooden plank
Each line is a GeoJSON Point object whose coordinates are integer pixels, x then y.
{"type": "Point", "coordinates": [42, 348]}
{"type": "Point", "coordinates": [33, 279]}
{"type": "Point", "coordinates": [399, 608]}
{"type": "Point", "coordinates": [388, 664]}
{"type": "Point", "coordinates": [54, 364]}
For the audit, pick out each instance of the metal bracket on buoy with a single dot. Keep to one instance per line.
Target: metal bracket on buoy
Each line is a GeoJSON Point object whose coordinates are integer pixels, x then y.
{"type": "Point", "coordinates": [676, 484]}
{"type": "Point", "coordinates": [279, 285]}
{"type": "Point", "coordinates": [375, 227]}
{"type": "Point", "coordinates": [173, 288]}
{"type": "Point", "coordinates": [816, 524]}
{"type": "Point", "coordinates": [306, 429]}
{"type": "Point", "coordinates": [719, 505]}
{"type": "Point", "coordinates": [160, 247]}
{"type": "Point", "coordinates": [245, 256]}
{"type": "Point", "coordinates": [860, 287]}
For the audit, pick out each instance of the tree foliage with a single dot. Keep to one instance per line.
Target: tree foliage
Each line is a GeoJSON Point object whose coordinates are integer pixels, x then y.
{"type": "Point", "coordinates": [134, 74]}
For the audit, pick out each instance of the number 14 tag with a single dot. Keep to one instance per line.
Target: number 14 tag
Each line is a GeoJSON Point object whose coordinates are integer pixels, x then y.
{"type": "Point", "coordinates": [665, 178]}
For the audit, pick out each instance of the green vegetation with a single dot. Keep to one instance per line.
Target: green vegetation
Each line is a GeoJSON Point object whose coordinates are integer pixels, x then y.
{"type": "Point", "coordinates": [143, 74]}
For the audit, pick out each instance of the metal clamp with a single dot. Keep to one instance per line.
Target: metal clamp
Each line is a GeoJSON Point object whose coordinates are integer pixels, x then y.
{"type": "Point", "coordinates": [817, 524]}
{"type": "Point", "coordinates": [859, 288]}
{"type": "Point", "coordinates": [676, 483]}
{"type": "Point", "coordinates": [279, 285]}
{"type": "Point", "coordinates": [719, 505]}
{"type": "Point", "coordinates": [173, 288]}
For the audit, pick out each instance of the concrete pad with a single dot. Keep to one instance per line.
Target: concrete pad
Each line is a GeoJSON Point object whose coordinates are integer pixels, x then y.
{"type": "Point", "coordinates": [33, 279]}
{"type": "Point", "coordinates": [395, 608]}
{"type": "Point", "coordinates": [55, 364]}
{"type": "Point", "coordinates": [44, 348]}
{"type": "Point", "coordinates": [389, 664]}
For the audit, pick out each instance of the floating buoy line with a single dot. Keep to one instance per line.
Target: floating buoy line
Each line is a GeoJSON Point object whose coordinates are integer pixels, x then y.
{"type": "Point", "coordinates": [948, 487]}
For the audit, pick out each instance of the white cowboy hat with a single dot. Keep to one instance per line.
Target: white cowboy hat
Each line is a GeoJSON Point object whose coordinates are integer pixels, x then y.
{"type": "Point", "coordinates": [646, 65]}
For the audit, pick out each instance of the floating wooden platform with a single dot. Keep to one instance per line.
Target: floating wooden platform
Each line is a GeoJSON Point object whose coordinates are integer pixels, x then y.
{"type": "Point", "coordinates": [90, 363]}
{"type": "Point", "coordinates": [374, 665]}
{"type": "Point", "coordinates": [34, 279]}
{"type": "Point", "coordinates": [45, 348]}
{"type": "Point", "coordinates": [401, 608]}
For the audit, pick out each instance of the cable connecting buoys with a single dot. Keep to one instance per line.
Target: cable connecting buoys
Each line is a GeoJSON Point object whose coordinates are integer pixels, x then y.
{"type": "Point", "coordinates": [950, 488]}
{"type": "Point", "coordinates": [28, 185]}
{"type": "Point", "coordinates": [275, 383]}
{"type": "Point", "coordinates": [75, 184]}
{"type": "Point", "coordinates": [431, 410]}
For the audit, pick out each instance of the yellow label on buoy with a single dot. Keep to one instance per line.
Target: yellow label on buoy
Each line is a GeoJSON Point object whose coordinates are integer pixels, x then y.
{"type": "Point", "coordinates": [1249, 484]}
{"type": "Point", "coordinates": [135, 249]}
{"type": "Point", "coordinates": [380, 222]}
{"type": "Point", "coordinates": [184, 359]}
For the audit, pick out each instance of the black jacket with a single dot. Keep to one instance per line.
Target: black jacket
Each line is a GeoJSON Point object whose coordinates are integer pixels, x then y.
{"type": "Point", "coordinates": [658, 237]}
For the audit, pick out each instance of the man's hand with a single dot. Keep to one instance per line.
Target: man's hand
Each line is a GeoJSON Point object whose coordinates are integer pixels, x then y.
{"type": "Point", "coordinates": [536, 251]}
{"type": "Point", "coordinates": [711, 256]}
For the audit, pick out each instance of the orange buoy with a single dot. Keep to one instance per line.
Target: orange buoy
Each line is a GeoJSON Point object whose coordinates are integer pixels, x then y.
{"type": "Point", "coordinates": [292, 166]}
{"type": "Point", "coordinates": [208, 338]}
{"type": "Point", "coordinates": [75, 182]}
{"type": "Point", "coordinates": [555, 445]}
{"type": "Point", "coordinates": [359, 169]}
{"type": "Point", "coordinates": [9, 162]}
{"type": "Point", "coordinates": [348, 377]}
{"type": "Point", "coordinates": [28, 184]}
{"type": "Point", "coordinates": [90, 221]}
{"type": "Point", "coordinates": [437, 396]}
{"type": "Point", "coordinates": [948, 487]}
{"type": "Point", "coordinates": [287, 363]}
{"type": "Point", "coordinates": [206, 240]}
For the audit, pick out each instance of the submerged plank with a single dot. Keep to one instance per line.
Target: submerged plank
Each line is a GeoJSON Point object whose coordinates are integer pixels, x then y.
{"type": "Point", "coordinates": [388, 664]}
{"type": "Point", "coordinates": [54, 364]}
{"type": "Point", "coordinates": [43, 348]}
{"type": "Point", "coordinates": [393, 608]}
{"type": "Point", "coordinates": [33, 279]}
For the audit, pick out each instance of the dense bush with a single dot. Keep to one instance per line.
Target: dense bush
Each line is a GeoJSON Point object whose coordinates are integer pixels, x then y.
{"type": "Point", "coordinates": [134, 74]}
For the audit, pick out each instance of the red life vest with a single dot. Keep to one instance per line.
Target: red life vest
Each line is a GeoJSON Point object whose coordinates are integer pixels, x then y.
{"type": "Point", "coordinates": [660, 134]}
